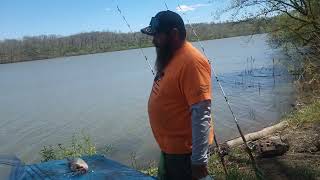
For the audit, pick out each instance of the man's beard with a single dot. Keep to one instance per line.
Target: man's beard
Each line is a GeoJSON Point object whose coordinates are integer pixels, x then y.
{"type": "Point", "coordinates": [164, 55]}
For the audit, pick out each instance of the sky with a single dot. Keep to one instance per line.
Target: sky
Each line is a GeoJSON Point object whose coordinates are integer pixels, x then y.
{"type": "Point", "coordinates": [20, 18]}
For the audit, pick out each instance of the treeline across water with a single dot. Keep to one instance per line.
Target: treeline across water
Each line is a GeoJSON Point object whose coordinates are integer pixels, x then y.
{"type": "Point", "coordinates": [51, 46]}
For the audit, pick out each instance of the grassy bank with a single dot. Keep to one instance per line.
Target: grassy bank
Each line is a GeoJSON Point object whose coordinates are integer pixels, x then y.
{"type": "Point", "coordinates": [301, 161]}
{"type": "Point", "coordinates": [306, 115]}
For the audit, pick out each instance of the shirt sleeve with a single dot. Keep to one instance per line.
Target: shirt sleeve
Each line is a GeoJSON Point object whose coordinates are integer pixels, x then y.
{"type": "Point", "coordinates": [195, 81]}
{"type": "Point", "coordinates": [201, 118]}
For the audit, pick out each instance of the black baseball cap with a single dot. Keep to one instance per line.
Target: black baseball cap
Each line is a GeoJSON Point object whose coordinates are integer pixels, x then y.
{"type": "Point", "coordinates": [164, 21]}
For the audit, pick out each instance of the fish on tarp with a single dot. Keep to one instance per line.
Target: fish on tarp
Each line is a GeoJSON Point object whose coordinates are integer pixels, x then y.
{"type": "Point", "coordinates": [78, 165]}
{"type": "Point", "coordinates": [70, 169]}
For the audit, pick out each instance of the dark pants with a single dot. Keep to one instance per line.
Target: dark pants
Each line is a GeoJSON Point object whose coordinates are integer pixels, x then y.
{"type": "Point", "coordinates": [175, 167]}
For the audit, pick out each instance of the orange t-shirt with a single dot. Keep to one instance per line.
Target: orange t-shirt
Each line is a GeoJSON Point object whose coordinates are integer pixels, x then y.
{"type": "Point", "coordinates": [186, 81]}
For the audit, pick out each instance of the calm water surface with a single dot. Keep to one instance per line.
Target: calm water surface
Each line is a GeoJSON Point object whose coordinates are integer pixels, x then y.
{"type": "Point", "coordinates": [45, 102]}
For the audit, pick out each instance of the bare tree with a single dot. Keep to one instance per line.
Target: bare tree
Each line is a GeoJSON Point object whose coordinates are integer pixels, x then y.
{"type": "Point", "coordinates": [295, 26]}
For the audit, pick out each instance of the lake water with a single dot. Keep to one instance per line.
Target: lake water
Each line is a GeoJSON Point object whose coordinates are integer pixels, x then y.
{"type": "Point", "coordinates": [45, 102]}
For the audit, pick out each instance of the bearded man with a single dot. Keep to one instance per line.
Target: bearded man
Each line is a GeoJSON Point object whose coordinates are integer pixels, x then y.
{"type": "Point", "coordinates": [179, 106]}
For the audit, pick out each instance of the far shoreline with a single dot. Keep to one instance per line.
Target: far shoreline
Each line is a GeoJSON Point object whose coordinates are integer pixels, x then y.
{"type": "Point", "coordinates": [116, 50]}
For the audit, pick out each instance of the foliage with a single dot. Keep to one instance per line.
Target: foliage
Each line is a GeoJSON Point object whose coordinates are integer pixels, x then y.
{"type": "Point", "coordinates": [307, 114]}
{"type": "Point", "coordinates": [48, 153]}
{"type": "Point", "coordinates": [51, 46]}
{"type": "Point", "coordinates": [235, 170]}
{"type": "Point", "coordinates": [295, 27]}
{"type": "Point", "coordinates": [80, 145]}
{"type": "Point", "coordinates": [238, 166]}
{"type": "Point", "coordinates": [151, 170]}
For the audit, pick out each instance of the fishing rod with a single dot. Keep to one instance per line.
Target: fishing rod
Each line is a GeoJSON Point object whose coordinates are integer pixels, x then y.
{"type": "Point", "coordinates": [220, 155]}
{"type": "Point", "coordinates": [141, 50]}
{"type": "Point", "coordinates": [248, 150]}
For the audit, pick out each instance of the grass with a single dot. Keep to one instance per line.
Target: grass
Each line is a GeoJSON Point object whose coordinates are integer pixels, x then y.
{"type": "Point", "coordinates": [301, 171]}
{"type": "Point", "coordinates": [236, 171]}
{"type": "Point", "coordinates": [238, 166]}
{"type": "Point", "coordinates": [151, 171]}
{"type": "Point", "coordinates": [307, 114]}
{"type": "Point", "coordinates": [80, 145]}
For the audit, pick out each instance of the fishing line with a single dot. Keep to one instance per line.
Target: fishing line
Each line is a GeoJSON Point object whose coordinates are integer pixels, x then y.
{"type": "Point", "coordinates": [141, 50]}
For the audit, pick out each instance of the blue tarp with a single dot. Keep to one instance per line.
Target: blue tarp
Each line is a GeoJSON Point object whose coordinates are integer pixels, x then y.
{"type": "Point", "coordinates": [99, 168]}
{"type": "Point", "coordinates": [9, 166]}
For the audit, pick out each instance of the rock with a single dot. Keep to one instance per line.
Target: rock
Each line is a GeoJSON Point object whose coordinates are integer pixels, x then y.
{"type": "Point", "coordinates": [271, 147]}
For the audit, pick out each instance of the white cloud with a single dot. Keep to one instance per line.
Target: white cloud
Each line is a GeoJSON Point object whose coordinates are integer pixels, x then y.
{"type": "Point", "coordinates": [185, 8]}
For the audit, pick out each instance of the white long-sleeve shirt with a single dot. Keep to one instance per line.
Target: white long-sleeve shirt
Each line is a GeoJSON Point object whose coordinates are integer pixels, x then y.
{"type": "Point", "coordinates": [201, 123]}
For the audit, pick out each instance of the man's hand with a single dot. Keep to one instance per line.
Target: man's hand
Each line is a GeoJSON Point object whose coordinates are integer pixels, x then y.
{"type": "Point", "coordinates": [199, 171]}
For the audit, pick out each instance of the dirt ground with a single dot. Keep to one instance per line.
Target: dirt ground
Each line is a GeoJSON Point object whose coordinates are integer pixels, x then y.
{"type": "Point", "coordinates": [301, 161]}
